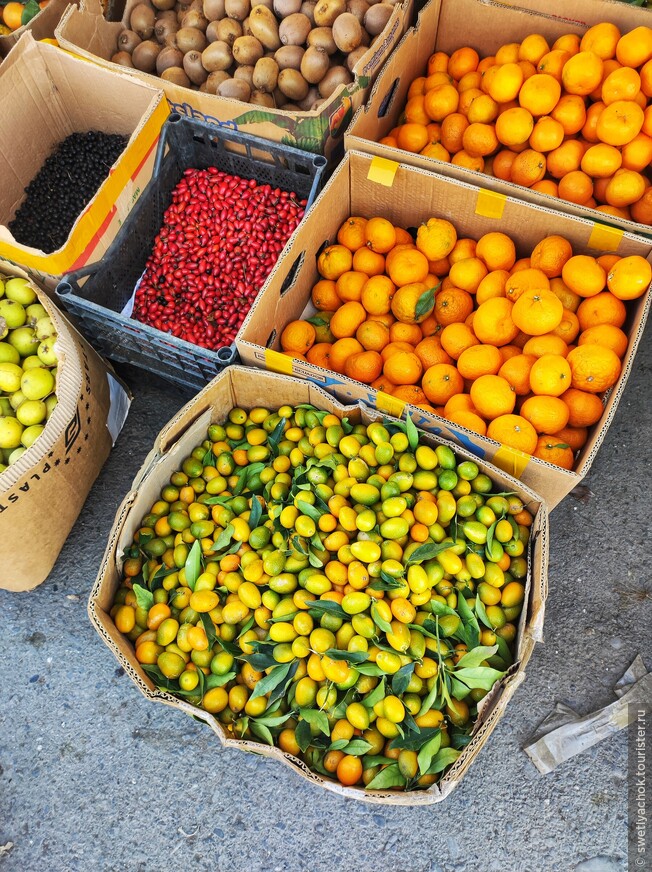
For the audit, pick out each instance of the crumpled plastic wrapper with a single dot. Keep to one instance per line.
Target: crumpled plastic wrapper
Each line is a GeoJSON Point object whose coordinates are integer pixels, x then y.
{"type": "Point", "coordinates": [564, 733]}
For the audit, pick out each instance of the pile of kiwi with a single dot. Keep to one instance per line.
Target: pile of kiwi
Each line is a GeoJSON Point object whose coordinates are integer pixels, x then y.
{"type": "Point", "coordinates": [290, 54]}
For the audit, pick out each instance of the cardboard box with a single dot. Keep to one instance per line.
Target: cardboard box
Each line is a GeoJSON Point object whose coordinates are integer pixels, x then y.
{"type": "Point", "coordinates": [445, 25]}
{"type": "Point", "coordinates": [86, 32]}
{"type": "Point", "coordinates": [41, 26]}
{"type": "Point", "coordinates": [248, 388]}
{"type": "Point", "coordinates": [46, 95]}
{"type": "Point", "coordinates": [51, 480]}
{"type": "Point", "coordinates": [368, 186]}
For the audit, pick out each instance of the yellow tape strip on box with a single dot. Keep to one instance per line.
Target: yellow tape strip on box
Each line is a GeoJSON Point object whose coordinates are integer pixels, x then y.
{"type": "Point", "coordinates": [391, 405]}
{"type": "Point", "coordinates": [92, 219]}
{"type": "Point", "coordinates": [278, 362]}
{"type": "Point", "coordinates": [510, 460]}
{"type": "Point", "coordinates": [382, 171]}
{"type": "Point", "coordinates": [605, 238]}
{"type": "Point", "coordinates": [490, 204]}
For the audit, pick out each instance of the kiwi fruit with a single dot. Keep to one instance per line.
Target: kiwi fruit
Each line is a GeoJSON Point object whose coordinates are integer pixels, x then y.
{"type": "Point", "coordinates": [279, 98]}
{"type": "Point", "coordinates": [163, 5]}
{"type": "Point", "coordinates": [283, 8]}
{"type": "Point", "coordinates": [194, 18]}
{"type": "Point", "coordinates": [144, 56]}
{"type": "Point", "coordinates": [191, 39]}
{"type": "Point", "coordinates": [261, 98]}
{"type": "Point", "coordinates": [213, 10]}
{"type": "Point", "coordinates": [265, 75]}
{"type": "Point", "coordinates": [247, 50]}
{"type": "Point", "coordinates": [176, 76]}
{"type": "Point", "coordinates": [128, 40]}
{"type": "Point", "coordinates": [236, 89]}
{"type": "Point", "coordinates": [358, 8]}
{"type": "Point", "coordinates": [246, 73]}
{"type": "Point", "coordinates": [214, 80]}
{"type": "Point", "coordinates": [193, 67]}
{"type": "Point", "coordinates": [377, 17]}
{"type": "Point", "coordinates": [347, 32]}
{"type": "Point", "coordinates": [213, 30]}
{"type": "Point", "coordinates": [268, 3]}
{"type": "Point", "coordinates": [228, 30]}
{"type": "Point", "coordinates": [335, 77]}
{"type": "Point", "coordinates": [142, 20]}
{"type": "Point", "coordinates": [168, 57]}
{"type": "Point", "coordinates": [292, 84]}
{"type": "Point", "coordinates": [288, 57]}
{"type": "Point", "coordinates": [294, 29]}
{"type": "Point", "coordinates": [322, 37]}
{"type": "Point", "coordinates": [264, 27]}
{"type": "Point", "coordinates": [354, 56]}
{"type": "Point", "coordinates": [308, 9]}
{"type": "Point", "coordinates": [306, 104]}
{"type": "Point", "coordinates": [122, 59]}
{"type": "Point", "coordinates": [314, 64]}
{"type": "Point", "coordinates": [165, 29]}
{"type": "Point", "coordinates": [326, 11]}
{"type": "Point", "coordinates": [217, 56]}
{"type": "Point", "coordinates": [238, 9]}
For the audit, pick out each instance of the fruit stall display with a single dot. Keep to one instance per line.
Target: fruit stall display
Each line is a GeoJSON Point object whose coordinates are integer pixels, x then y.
{"type": "Point", "coordinates": [518, 350]}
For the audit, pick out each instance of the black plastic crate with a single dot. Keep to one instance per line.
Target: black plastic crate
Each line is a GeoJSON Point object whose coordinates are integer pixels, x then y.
{"type": "Point", "coordinates": [96, 295]}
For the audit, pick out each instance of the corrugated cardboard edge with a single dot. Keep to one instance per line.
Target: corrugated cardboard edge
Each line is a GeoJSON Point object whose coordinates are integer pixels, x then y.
{"type": "Point", "coordinates": [276, 390]}
{"type": "Point", "coordinates": [552, 482]}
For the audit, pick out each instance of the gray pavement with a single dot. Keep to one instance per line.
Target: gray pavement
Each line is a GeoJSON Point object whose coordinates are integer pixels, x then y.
{"type": "Point", "coordinates": [95, 778]}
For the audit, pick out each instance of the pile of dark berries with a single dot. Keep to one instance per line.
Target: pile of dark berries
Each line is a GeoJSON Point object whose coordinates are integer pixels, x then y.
{"type": "Point", "coordinates": [63, 187]}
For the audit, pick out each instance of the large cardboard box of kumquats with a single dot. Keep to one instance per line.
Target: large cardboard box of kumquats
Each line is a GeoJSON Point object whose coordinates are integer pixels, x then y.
{"type": "Point", "coordinates": [86, 32]}
{"type": "Point", "coordinates": [408, 196]}
{"type": "Point", "coordinates": [446, 25]}
{"type": "Point", "coordinates": [248, 388]}
{"type": "Point", "coordinates": [49, 483]}
{"type": "Point", "coordinates": [47, 94]}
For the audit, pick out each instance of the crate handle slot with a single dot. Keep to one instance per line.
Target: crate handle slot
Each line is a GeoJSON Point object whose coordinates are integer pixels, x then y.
{"type": "Point", "coordinates": [387, 99]}
{"type": "Point", "coordinates": [271, 339]}
{"type": "Point", "coordinates": [291, 277]}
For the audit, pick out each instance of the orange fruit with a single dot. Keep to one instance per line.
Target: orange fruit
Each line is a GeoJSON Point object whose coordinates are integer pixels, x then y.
{"type": "Point", "coordinates": [368, 262]}
{"type": "Point", "coordinates": [321, 322]}
{"type": "Point", "coordinates": [383, 384]}
{"type": "Point", "coordinates": [351, 233]}
{"type": "Point", "coordinates": [407, 266]}
{"type": "Point", "coordinates": [529, 167]}
{"type": "Point", "coordinates": [630, 277]}
{"type": "Point", "coordinates": [522, 263]}
{"type": "Point", "coordinates": [496, 250]}
{"type": "Point", "coordinates": [324, 296]}
{"type": "Point", "coordinates": [492, 285]}
{"type": "Point", "coordinates": [576, 187]}
{"type": "Point", "coordinates": [436, 151]}
{"type": "Point", "coordinates": [642, 210]}
{"type": "Point", "coordinates": [436, 238]}
{"type": "Point", "coordinates": [568, 328]}
{"type": "Point", "coordinates": [492, 396]}
{"type": "Point", "coordinates": [546, 414]}
{"type": "Point", "coordinates": [589, 130]}
{"type": "Point", "coordinates": [459, 403]}
{"type": "Point", "coordinates": [403, 368]}
{"type": "Point", "coordinates": [380, 235]}
{"type": "Point", "coordinates": [620, 122]}
{"type": "Point", "coordinates": [393, 348]}
{"type": "Point", "coordinates": [377, 293]}
{"type": "Point", "coordinates": [441, 101]}
{"type": "Point", "coordinates": [508, 53]}
{"type": "Point", "coordinates": [601, 161]}
{"type": "Point", "coordinates": [582, 73]}
{"type": "Point", "coordinates": [411, 136]}
{"type": "Point", "coordinates": [438, 62]}
{"type": "Point", "coordinates": [430, 352]}
{"type": "Point", "coordinates": [430, 327]}
{"type": "Point", "coordinates": [470, 420]}
{"type": "Point", "coordinates": [552, 450]}
{"type": "Point", "coordinates": [646, 78]}
{"type": "Point", "coordinates": [606, 335]}
{"type": "Point", "coordinates": [468, 161]}
{"type": "Point", "coordinates": [574, 437]}
{"type": "Point", "coordinates": [493, 324]}
{"type": "Point", "coordinates": [341, 350]}
{"type": "Point", "coordinates": [505, 83]}
{"type": "Point", "coordinates": [410, 394]}
{"type": "Point", "coordinates": [516, 371]}
{"type": "Point", "coordinates": [462, 249]}
{"type": "Point", "coordinates": [514, 126]}
{"type": "Point", "coordinates": [570, 299]}
{"type": "Point", "coordinates": [594, 368]}
{"type": "Point", "coordinates": [547, 343]}
{"type": "Point", "coordinates": [452, 305]}
{"type": "Point", "coordinates": [467, 274]}
{"type": "Point", "coordinates": [540, 93]}
{"type": "Point", "coordinates": [364, 367]}
{"type": "Point", "coordinates": [349, 285]}
{"type": "Point", "coordinates": [12, 15]}
{"type": "Point", "coordinates": [463, 61]}
{"type": "Point", "coordinates": [635, 48]}
{"type": "Point", "coordinates": [570, 111]}
{"type": "Point", "coordinates": [372, 335]}
{"type": "Point", "coordinates": [479, 360]}
{"type": "Point", "coordinates": [569, 42]}
{"type": "Point", "coordinates": [537, 311]}
{"type": "Point", "coordinates": [333, 261]}
{"type": "Point", "coordinates": [413, 303]}
{"type": "Point", "coordinates": [621, 84]}
{"type": "Point", "coordinates": [441, 382]}
{"type": "Point", "coordinates": [403, 237]}
{"type": "Point", "coordinates": [606, 261]}
{"type": "Point", "coordinates": [584, 275]}
{"type": "Point", "coordinates": [601, 39]}
{"type": "Point", "coordinates": [456, 338]}
{"type": "Point", "coordinates": [533, 48]}
{"type": "Point", "coordinates": [585, 408]}
{"type": "Point", "coordinates": [298, 337]}
{"type": "Point", "coordinates": [469, 80]}
{"type": "Point", "coordinates": [502, 165]}
{"type": "Point", "coordinates": [452, 131]}
{"type": "Point", "coordinates": [637, 154]}
{"type": "Point", "coordinates": [550, 376]}
{"type": "Point", "coordinates": [320, 355]}
{"type": "Point", "coordinates": [410, 333]}
{"type": "Point", "coordinates": [550, 255]}
{"type": "Point", "coordinates": [603, 308]}
{"type": "Point", "coordinates": [547, 134]}
{"type": "Point", "coordinates": [513, 431]}
{"type": "Point", "coordinates": [347, 319]}
{"type": "Point", "coordinates": [545, 186]}
{"type": "Point", "coordinates": [553, 62]}
{"type": "Point", "coordinates": [479, 139]}
{"type": "Point", "coordinates": [415, 113]}
{"type": "Point", "coordinates": [482, 110]}
{"type": "Point", "coordinates": [624, 188]}
{"type": "Point", "coordinates": [564, 159]}
{"type": "Point", "coordinates": [525, 280]}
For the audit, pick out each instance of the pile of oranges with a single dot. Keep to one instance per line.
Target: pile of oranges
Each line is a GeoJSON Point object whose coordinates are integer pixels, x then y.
{"type": "Point", "coordinates": [14, 15]}
{"type": "Point", "coordinates": [572, 119]}
{"type": "Point", "coordinates": [519, 350]}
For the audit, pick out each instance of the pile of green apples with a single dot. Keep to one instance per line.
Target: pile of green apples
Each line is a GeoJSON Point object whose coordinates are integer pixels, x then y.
{"type": "Point", "coordinates": [28, 368]}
